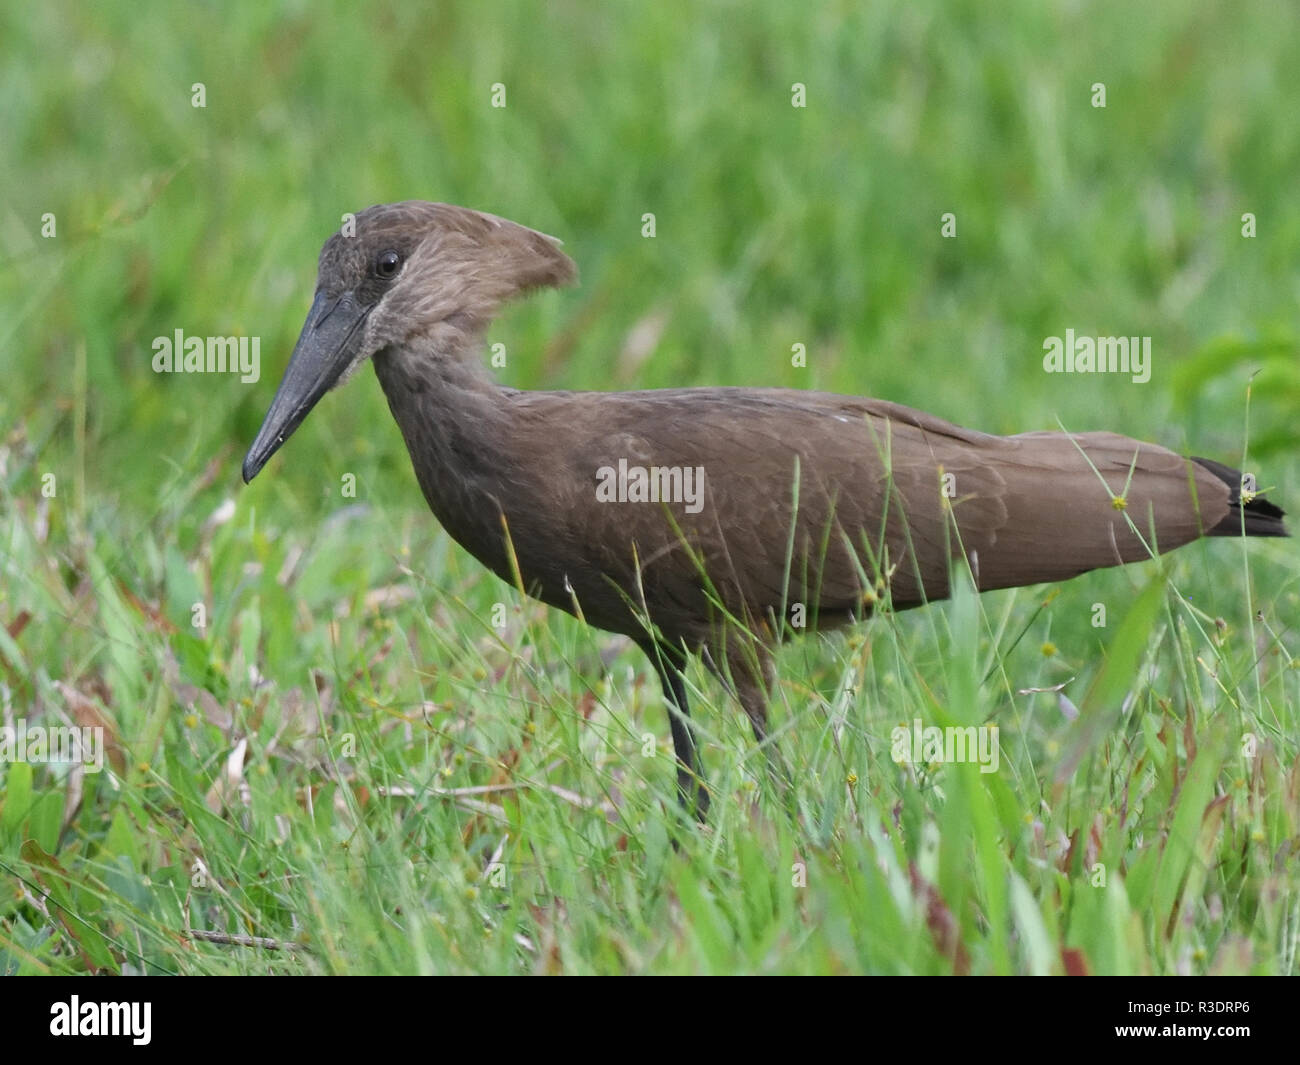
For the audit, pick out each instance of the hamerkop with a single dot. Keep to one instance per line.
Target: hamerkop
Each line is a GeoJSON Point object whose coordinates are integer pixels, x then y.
{"type": "Point", "coordinates": [709, 519]}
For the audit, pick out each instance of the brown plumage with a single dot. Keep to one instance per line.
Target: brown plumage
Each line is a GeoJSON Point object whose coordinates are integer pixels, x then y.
{"type": "Point", "coordinates": [889, 499]}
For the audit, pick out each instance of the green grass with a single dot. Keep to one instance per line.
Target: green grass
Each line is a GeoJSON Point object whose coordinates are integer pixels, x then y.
{"type": "Point", "coordinates": [351, 759]}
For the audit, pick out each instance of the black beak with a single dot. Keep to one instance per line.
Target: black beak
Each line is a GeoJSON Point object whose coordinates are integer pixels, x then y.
{"type": "Point", "coordinates": [326, 348]}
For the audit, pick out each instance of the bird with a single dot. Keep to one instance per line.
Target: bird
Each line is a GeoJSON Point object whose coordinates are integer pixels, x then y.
{"type": "Point", "coordinates": [705, 521]}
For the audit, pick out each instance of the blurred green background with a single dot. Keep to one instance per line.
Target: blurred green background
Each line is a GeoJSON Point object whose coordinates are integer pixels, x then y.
{"type": "Point", "coordinates": [775, 225]}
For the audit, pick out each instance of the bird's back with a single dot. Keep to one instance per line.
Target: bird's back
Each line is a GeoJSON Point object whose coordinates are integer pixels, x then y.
{"type": "Point", "coordinates": [884, 498]}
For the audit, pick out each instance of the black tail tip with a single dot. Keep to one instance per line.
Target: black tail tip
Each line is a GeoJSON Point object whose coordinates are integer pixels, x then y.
{"type": "Point", "coordinates": [1255, 517]}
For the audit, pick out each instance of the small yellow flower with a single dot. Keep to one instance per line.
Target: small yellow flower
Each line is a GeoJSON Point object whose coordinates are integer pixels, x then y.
{"type": "Point", "coordinates": [1119, 503]}
{"type": "Point", "coordinates": [853, 779]}
{"type": "Point", "coordinates": [1049, 649]}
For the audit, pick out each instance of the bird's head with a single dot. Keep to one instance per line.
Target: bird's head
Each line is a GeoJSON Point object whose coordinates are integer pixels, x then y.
{"type": "Point", "coordinates": [399, 274]}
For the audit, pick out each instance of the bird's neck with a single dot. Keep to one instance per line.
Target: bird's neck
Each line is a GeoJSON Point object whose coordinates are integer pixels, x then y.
{"type": "Point", "coordinates": [456, 422]}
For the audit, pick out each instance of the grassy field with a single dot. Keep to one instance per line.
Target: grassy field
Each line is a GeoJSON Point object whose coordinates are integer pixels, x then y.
{"type": "Point", "coordinates": [316, 733]}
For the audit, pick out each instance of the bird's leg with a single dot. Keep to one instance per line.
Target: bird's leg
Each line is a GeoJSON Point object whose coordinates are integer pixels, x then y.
{"type": "Point", "coordinates": [753, 677]}
{"type": "Point", "coordinates": [752, 674]}
{"type": "Point", "coordinates": [692, 792]}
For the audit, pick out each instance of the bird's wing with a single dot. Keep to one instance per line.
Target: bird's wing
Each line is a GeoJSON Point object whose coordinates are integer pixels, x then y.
{"type": "Point", "coordinates": [885, 494]}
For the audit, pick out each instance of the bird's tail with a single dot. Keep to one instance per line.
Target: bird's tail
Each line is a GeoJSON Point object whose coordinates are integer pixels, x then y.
{"type": "Point", "coordinates": [1255, 517]}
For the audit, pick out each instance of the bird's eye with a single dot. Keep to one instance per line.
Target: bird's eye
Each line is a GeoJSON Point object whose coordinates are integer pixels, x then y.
{"type": "Point", "coordinates": [387, 265]}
